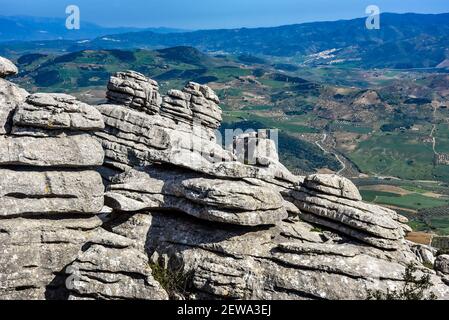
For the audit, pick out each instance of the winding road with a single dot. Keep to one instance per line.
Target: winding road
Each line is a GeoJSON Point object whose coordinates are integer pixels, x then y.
{"type": "Point", "coordinates": [343, 165]}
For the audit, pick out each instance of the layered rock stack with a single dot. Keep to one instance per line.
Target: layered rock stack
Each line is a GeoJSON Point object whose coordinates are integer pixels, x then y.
{"type": "Point", "coordinates": [334, 202]}
{"type": "Point", "coordinates": [47, 154]}
{"type": "Point", "coordinates": [194, 103]}
{"type": "Point", "coordinates": [51, 196]}
{"type": "Point", "coordinates": [234, 221]}
{"type": "Point", "coordinates": [48, 157]}
{"type": "Point", "coordinates": [210, 186]}
{"type": "Point", "coordinates": [212, 199]}
{"type": "Point", "coordinates": [134, 90]}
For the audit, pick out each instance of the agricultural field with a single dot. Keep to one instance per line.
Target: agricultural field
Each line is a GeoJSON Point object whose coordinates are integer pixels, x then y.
{"type": "Point", "coordinates": [426, 204]}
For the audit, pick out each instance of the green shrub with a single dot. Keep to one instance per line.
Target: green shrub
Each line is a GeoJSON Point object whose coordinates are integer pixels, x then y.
{"type": "Point", "coordinates": [175, 282]}
{"type": "Point", "coordinates": [414, 288]}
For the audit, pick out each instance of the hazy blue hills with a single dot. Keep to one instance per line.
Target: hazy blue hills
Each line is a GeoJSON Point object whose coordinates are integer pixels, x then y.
{"type": "Point", "coordinates": [23, 28]}
{"type": "Point", "coordinates": [404, 41]}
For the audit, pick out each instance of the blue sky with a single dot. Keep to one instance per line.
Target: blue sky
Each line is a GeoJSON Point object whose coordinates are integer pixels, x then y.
{"type": "Point", "coordinates": [202, 14]}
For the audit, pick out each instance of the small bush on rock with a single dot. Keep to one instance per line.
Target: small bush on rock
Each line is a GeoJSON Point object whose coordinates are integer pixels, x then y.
{"type": "Point", "coordinates": [414, 288]}
{"type": "Point", "coordinates": [175, 282]}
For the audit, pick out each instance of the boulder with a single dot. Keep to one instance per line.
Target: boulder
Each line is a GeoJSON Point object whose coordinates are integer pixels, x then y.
{"type": "Point", "coordinates": [10, 97]}
{"type": "Point", "coordinates": [67, 151]}
{"type": "Point", "coordinates": [134, 90]}
{"type": "Point", "coordinates": [49, 192]}
{"type": "Point", "coordinates": [57, 111]}
{"type": "Point", "coordinates": [334, 202]}
{"type": "Point", "coordinates": [442, 263]}
{"type": "Point", "coordinates": [333, 185]}
{"type": "Point", "coordinates": [7, 68]}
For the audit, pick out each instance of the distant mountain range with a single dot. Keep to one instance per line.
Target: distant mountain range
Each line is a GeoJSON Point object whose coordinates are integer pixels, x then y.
{"type": "Point", "coordinates": [23, 28]}
{"type": "Point", "coordinates": [404, 41]}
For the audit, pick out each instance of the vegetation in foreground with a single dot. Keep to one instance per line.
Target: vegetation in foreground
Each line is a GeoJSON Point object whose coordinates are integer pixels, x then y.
{"type": "Point", "coordinates": [414, 288]}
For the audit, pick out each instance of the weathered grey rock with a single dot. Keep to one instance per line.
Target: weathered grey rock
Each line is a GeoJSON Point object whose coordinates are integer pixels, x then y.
{"type": "Point", "coordinates": [333, 185]}
{"type": "Point", "coordinates": [110, 273]}
{"type": "Point", "coordinates": [272, 264]}
{"type": "Point", "coordinates": [442, 263]}
{"type": "Point", "coordinates": [196, 104]}
{"type": "Point", "coordinates": [204, 104]}
{"type": "Point", "coordinates": [46, 192]}
{"type": "Point", "coordinates": [7, 68]}
{"type": "Point", "coordinates": [226, 201]}
{"type": "Point", "coordinates": [57, 111]}
{"type": "Point", "coordinates": [108, 270]}
{"type": "Point", "coordinates": [330, 201]}
{"type": "Point", "coordinates": [133, 89]}
{"type": "Point", "coordinates": [425, 254]}
{"type": "Point", "coordinates": [132, 138]}
{"type": "Point", "coordinates": [36, 251]}
{"type": "Point", "coordinates": [176, 106]}
{"type": "Point", "coordinates": [237, 230]}
{"type": "Point", "coordinates": [10, 97]}
{"type": "Point", "coordinates": [70, 151]}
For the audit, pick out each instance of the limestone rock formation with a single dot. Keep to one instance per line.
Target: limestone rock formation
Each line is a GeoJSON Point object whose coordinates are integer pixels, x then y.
{"type": "Point", "coordinates": [7, 68]}
{"type": "Point", "coordinates": [335, 203]}
{"type": "Point", "coordinates": [194, 103]}
{"type": "Point", "coordinates": [442, 264]}
{"type": "Point", "coordinates": [10, 97]}
{"type": "Point", "coordinates": [51, 173]}
{"type": "Point", "coordinates": [57, 111]}
{"type": "Point", "coordinates": [211, 199]}
{"type": "Point", "coordinates": [133, 89]}
{"type": "Point", "coordinates": [232, 217]}
{"type": "Point", "coordinates": [287, 261]}
{"type": "Point", "coordinates": [49, 191]}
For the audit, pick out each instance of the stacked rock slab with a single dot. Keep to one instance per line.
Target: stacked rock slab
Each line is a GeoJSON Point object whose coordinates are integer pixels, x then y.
{"type": "Point", "coordinates": [195, 102]}
{"type": "Point", "coordinates": [47, 156]}
{"type": "Point", "coordinates": [182, 135]}
{"type": "Point", "coordinates": [51, 198]}
{"type": "Point", "coordinates": [334, 202]}
{"type": "Point", "coordinates": [216, 200]}
{"type": "Point", "coordinates": [47, 161]}
{"type": "Point", "coordinates": [133, 89]}
{"type": "Point", "coordinates": [10, 95]}
{"type": "Point", "coordinates": [117, 267]}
